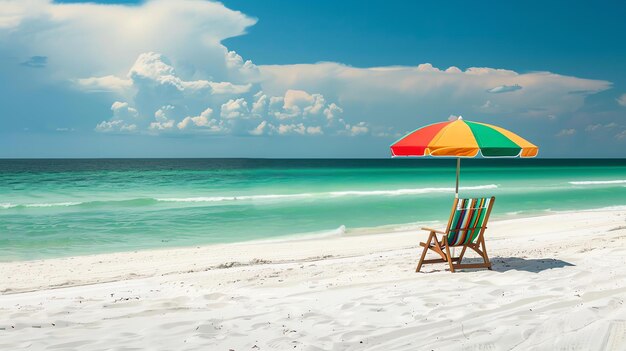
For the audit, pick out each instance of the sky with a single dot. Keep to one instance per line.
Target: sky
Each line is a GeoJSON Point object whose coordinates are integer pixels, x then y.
{"type": "Point", "coordinates": [244, 78]}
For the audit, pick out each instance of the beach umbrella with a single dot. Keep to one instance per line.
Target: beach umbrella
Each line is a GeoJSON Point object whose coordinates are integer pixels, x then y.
{"type": "Point", "coordinates": [463, 139]}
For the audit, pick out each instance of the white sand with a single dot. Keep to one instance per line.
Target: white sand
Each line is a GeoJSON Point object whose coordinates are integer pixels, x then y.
{"type": "Point", "coordinates": [559, 282]}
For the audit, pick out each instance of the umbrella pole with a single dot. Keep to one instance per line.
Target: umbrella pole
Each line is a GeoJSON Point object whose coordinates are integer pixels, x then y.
{"type": "Point", "coordinates": [458, 170]}
{"type": "Point", "coordinates": [456, 189]}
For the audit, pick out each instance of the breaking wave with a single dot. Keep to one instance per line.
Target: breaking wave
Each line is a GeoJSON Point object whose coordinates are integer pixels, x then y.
{"type": "Point", "coordinates": [598, 182]}
{"type": "Point", "coordinates": [266, 197]}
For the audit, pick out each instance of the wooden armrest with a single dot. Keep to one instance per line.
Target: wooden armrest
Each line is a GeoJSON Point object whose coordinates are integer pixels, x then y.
{"type": "Point", "coordinates": [434, 230]}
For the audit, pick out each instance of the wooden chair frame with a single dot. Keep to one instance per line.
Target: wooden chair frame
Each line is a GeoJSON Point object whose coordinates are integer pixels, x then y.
{"type": "Point", "coordinates": [441, 247]}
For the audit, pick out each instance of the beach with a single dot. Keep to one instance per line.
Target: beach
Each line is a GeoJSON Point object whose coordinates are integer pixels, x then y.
{"type": "Point", "coordinates": [320, 176]}
{"type": "Point", "coordinates": [558, 282]}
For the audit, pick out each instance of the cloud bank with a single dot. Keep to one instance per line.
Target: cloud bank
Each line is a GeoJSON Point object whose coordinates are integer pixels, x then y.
{"type": "Point", "coordinates": [163, 70]}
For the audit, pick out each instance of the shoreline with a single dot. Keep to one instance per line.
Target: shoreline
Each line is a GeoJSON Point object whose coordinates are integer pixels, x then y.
{"type": "Point", "coordinates": [331, 233]}
{"type": "Point", "coordinates": [128, 265]}
{"type": "Point", "coordinates": [557, 280]}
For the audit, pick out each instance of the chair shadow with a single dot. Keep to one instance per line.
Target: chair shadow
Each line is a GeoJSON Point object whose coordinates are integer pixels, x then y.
{"type": "Point", "coordinates": [533, 265]}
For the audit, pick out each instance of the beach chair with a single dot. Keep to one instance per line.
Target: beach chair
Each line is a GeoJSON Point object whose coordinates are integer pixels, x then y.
{"type": "Point", "coordinates": [466, 227]}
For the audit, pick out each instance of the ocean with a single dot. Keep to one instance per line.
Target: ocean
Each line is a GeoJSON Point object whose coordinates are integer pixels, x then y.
{"type": "Point", "coordinates": [66, 207]}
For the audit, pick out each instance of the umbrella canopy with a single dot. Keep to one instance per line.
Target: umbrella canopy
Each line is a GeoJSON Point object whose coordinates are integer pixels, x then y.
{"type": "Point", "coordinates": [462, 138]}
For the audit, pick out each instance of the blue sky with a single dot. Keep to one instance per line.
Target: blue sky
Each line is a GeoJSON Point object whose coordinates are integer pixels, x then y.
{"type": "Point", "coordinates": [305, 79]}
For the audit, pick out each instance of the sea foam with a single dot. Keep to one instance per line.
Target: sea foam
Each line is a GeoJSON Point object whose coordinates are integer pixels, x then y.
{"type": "Point", "coordinates": [395, 192]}
{"type": "Point", "coordinates": [598, 182]}
{"type": "Point", "coordinates": [262, 197]}
{"type": "Point", "coordinates": [54, 204]}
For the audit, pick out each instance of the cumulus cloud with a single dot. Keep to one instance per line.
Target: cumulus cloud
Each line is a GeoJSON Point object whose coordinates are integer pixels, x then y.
{"type": "Point", "coordinates": [115, 126]}
{"type": "Point", "coordinates": [285, 129]}
{"type": "Point", "coordinates": [332, 111]}
{"type": "Point", "coordinates": [154, 87]}
{"type": "Point", "coordinates": [203, 120]}
{"type": "Point", "coordinates": [259, 105]}
{"type": "Point", "coordinates": [121, 110]}
{"type": "Point", "coordinates": [301, 102]}
{"type": "Point", "coordinates": [163, 64]}
{"type": "Point", "coordinates": [164, 118]}
{"type": "Point", "coordinates": [358, 129]}
{"type": "Point", "coordinates": [622, 100]}
{"type": "Point", "coordinates": [409, 96]}
{"type": "Point", "coordinates": [260, 129]}
{"type": "Point", "coordinates": [165, 26]}
{"type": "Point", "coordinates": [246, 68]}
{"type": "Point", "coordinates": [154, 71]}
{"type": "Point", "coordinates": [235, 108]}
{"type": "Point", "coordinates": [121, 113]}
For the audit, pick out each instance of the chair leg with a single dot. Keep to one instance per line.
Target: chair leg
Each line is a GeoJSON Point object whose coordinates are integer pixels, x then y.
{"type": "Point", "coordinates": [421, 261]}
{"type": "Point", "coordinates": [485, 257]}
{"type": "Point", "coordinates": [448, 254]}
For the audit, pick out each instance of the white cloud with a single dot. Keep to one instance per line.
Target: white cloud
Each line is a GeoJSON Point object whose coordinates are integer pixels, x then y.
{"type": "Point", "coordinates": [235, 108]}
{"type": "Point", "coordinates": [621, 135]}
{"type": "Point", "coordinates": [229, 88]}
{"type": "Point", "coordinates": [286, 129]}
{"type": "Point", "coordinates": [154, 87]}
{"type": "Point", "coordinates": [154, 71]}
{"type": "Point", "coordinates": [247, 68]}
{"type": "Point", "coordinates": [106, 83]}
{"type": "Point", "coordinates": [164, 113]}
{"type": "Point", "coordinates": [121, 110]}
{"type": "Point", "coordinates": [566, 132]}
{"type": "Point", "coordinates": [160, 126]}
{"type": "Point", "coordinates": [358, 129]}
{"type": "Point", "coordinates": [259, 105]}
{"type": "Point", "coordinates": [164, 118]}
{"type": "Point", "coordinates": [115, 126]}
{"type": "Point", "coordinates": [260, 129]}
{"type": "Point", "coordinates": [299, 101]}
{"type": "Point", "coordinates": [314, 130]}
{"type": "Point", "coordinates": [203, 122]}
{"type": "Point", "coordinates": [622, 100]}
{"type": "Point", "coordinates": [81, 39]}
{"type": "Point", "coordinates": [408, 96]}
{"type": "Point", "coordinates": [332, 111]}
{"type": "Point", "coordinates": [179, 60]}
{"type": "Point", "coordinates": [295, 129]}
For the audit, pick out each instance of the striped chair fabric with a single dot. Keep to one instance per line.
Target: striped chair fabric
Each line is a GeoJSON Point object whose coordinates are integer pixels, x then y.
{"type": "Point", "coordinates": [467, 221]}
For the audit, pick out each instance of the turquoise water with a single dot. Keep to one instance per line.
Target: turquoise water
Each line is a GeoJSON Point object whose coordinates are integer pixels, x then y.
{"type": "Point", "coordinates": [54, 208]}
